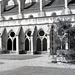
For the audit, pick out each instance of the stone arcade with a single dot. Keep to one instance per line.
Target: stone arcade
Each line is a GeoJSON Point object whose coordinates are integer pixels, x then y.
{"type": "Point", "coordinates": [25, 25]}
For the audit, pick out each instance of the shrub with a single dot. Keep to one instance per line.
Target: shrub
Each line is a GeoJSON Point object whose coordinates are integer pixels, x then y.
{"type": "Point", "coordinates": [4, 52]}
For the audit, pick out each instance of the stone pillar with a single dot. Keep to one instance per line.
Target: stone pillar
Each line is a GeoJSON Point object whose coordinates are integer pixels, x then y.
{"type": "Point", "coordinates": [31, 45]}
{"type": "Point", "coordinates": [66, 7]}
{"type": "Point", "coordinates": [0, 43]}
{"type": "Point", "coordinates": [17, 44]}
{"type": "Point", "coordinates": [40, 5]}
{"type": "Point", "coordinates": [19, 9]}
{"type": "Point", "coordinates": [66, 46]}
{"type": "Point", "coordinates": [48, 44]}
{"type": "Point", "coordinates": [65, 3]}
{"type": "Point", "coordinates": [1, 18]}
{"type": "Point", "coordinates": [41, 13]}
{"type": "Point", "coordinates": [12, 44]}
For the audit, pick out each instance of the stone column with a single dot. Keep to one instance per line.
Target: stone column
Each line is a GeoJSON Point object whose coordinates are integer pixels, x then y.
{"type": "Point", "coordinates": [65, 3]}
{"type": "Point", "coordinates": [0, 43]}
{"type": "Point", "coordinates": [41, 13]}
{"type": "Point", "coordinates": [19, 9]}
{"type": "Point", "coordinates": [12, 44]}
{"type": "Point", "coordinates": [48, 43]}
{"type": "Point", "coordinates": [1, 18]}
{"type": "Point", "coordinates": [40, 5]}
{"type": "Point", "coordinates": [66, 46]}
{"type": "Point", "coordinates": [31, 45]}
{"type": "Point", "coordinates": [66, 7]}
{"type": "Point", "coordinates": [17, 44]}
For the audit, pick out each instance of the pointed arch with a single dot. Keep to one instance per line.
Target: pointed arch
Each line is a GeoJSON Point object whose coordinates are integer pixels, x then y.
{"type": "Point", "coordinates": [26, 45]}
{"type": "Point", "coordinates": [27, 32]}
{"type": "Point", "coordinates": [9, 44]}
{"type": "Point", "coordinates": [14, 44]}
{"type": "Point", "coordinates": [11, 33]}
{"type": "Point", "coordinates": [38, 44]}
{"type": "Point", "coordinates": [41, 32]}
{"type": "Point", "coordinates": [44, 44]}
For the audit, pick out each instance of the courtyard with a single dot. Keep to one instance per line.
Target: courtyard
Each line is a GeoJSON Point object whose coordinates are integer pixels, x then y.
{"type": "Point", "coordinates": [33, 65]}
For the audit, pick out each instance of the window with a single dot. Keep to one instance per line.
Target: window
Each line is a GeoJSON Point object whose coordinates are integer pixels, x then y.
{"type": "Point", "coordinates": [41, 33]}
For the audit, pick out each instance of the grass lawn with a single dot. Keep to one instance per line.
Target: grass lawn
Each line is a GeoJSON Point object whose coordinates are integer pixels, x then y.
{"type": "Point", "coordinates": [39, 71]}
{"type": "Point", "coordinates": [18, 57]}
{"type": "Point", "coordinates": [30, 70]}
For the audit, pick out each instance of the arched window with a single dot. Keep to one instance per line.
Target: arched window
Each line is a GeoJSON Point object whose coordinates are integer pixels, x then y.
{"type": "Point", "coordinates": [14, 44]}
{"type": "Point", "coordinates": [26, 45]}
{"type": "Point", "coordinates": [38, 47]}
{"type": "Point", "coordinates": [12, 34]}
{"type": "Point", "coordinates": [44, 44]}
{"type": "Point", "coordinates": [41, 33]}
{"type": "Point", "coordinates": [29, 33]}
{"type": "Point", "coordinates": [9, 44]}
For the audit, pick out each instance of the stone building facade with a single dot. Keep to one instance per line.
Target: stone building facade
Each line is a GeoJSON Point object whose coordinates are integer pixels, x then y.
{"type": "Point", "coordinates": [25, 25]}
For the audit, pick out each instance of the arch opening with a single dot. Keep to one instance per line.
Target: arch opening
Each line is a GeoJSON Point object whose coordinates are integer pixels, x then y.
{"type": "Point", "coordinates": [44, 44]}
{"type": "Point", "coordinates": [41, 33]}
{"type": "Point", "coordinates": [14, 44]}
{"type": "Point", "coordinates": [9, 44]}
{"type": "Point", "coordinates": [29, 33]}
{"type": "Point", "coordinates": [12, 34]}
{"type": "Point", "coordinates": [38, 47]}
{"type": "Point", "coordinates": [26, 45]}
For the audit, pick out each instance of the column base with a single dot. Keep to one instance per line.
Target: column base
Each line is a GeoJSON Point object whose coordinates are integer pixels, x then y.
{"type": "Point", "coordinates": [20, 16]}
{"type": "Point", "coordinates": [48, 51]}
{"type": "Point", "coordinates": [41, 14]}
{"type": "Point", "coordinates": [32, 53]}
{"type": "Point", "coordinates": [17, 53]}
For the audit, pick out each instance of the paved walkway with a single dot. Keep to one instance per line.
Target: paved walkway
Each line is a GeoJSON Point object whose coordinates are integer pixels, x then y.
{"type": "Point", "coordinates": [43, 61]}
